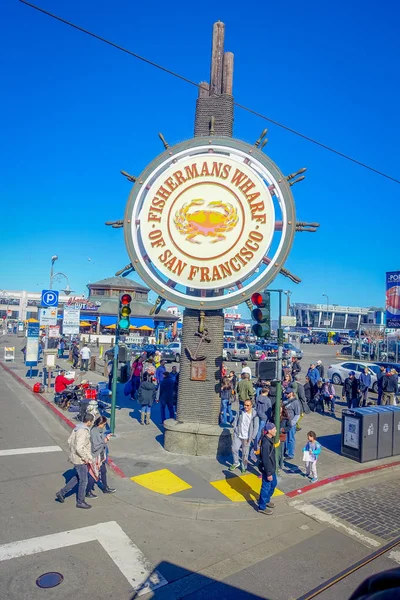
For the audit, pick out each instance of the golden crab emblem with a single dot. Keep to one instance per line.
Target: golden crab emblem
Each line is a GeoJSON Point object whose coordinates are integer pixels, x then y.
{"type": "Point", "coordinates": [213, 221]}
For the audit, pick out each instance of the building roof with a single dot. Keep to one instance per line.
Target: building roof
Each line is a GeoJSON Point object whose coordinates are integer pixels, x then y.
{"type": "Point", "coordinates": [139, 309]}
{"type": "Point", "coordinates": [118, 283]}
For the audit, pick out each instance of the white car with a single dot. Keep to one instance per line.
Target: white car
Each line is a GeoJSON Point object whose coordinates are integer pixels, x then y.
{"type": "Point", "coordinates": [338, 373]}
{"type": "Point", "coordinates": [176, 349]}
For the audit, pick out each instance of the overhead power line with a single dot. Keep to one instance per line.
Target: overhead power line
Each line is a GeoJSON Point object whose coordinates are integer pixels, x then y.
{"type": "Point", "coordinates": [191, 82]}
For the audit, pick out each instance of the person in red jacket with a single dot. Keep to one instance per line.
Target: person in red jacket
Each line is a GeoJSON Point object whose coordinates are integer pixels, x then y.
{"type": "Point", "coordinates": [62, 382]}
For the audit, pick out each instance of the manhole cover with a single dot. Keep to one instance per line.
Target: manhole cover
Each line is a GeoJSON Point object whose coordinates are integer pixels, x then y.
{"type": "Point", "coordinates": [49, 580]}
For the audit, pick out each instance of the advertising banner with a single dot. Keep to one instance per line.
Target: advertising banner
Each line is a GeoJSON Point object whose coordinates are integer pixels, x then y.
{"type": "Point", "coordinates": [393, 299]}
{"type": "Point", "coordinates": [71, 320]}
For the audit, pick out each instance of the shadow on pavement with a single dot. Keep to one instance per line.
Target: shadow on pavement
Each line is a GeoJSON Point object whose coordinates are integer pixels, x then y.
{"type": "Point", "coordinates": [331, 442]}
{"type": "Point", "coordinates": [194, 586]}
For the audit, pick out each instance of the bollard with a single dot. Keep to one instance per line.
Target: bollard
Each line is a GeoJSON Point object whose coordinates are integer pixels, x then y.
{"type": "Point", "coordinates": [92, 363]}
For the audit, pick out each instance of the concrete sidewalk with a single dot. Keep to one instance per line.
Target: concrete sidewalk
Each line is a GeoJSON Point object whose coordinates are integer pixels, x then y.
{"type": "Point", "coordinates": [138, 451]}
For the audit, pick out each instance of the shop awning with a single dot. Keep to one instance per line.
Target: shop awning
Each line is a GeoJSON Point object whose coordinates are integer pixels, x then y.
{"type": "Point", "coordinates": [109, 320]}
{"type": "Point", "coordinates": [88, 317]}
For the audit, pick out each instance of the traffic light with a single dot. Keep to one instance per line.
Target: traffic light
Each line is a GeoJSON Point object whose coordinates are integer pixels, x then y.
{"type": "Point", "coordinates": [261, 314]}
{"type": "Point", "coordinates": [124, 311]}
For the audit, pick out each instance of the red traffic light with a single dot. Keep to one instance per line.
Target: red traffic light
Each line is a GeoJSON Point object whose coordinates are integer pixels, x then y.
{"type": "Point", "coordinates": [257, 299]}
{"type": "Point", "coordinates": [126, 299]}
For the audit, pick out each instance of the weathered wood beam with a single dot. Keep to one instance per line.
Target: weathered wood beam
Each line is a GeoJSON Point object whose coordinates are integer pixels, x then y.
{"type": "Point", "coordinates": [227, 74]}
{"type": "Point", "coordinates": [217, 55]}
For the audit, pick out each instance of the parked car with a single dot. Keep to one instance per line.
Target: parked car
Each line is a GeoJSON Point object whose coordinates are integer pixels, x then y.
{"type": "Point", "coordinates": [167, 353]}
{"type": "Point", "coordinates": [293, 351]}
{"type": "Point", "coordinates": [255, 351]}
{"type": "Point", "coordinates": [389, 365]}
{"type": "Point", "coordinates": [338, 373]}
{"type": "Point", "coordinates": [349, 351]}
{"type": "Point", "coordinates": [235, 351]}
{"type": "Point", "coordinates": [176, 348]}
{"type": "Point", "coordinates": [305, 339]}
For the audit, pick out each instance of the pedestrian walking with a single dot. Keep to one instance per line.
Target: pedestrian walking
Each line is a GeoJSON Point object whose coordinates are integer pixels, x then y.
{"type": "Point", "coordinates": [285, 425]}
{"type": "Point", "coordinates": [175, 376]}
{"type": "Point", "coordinates": [264, 413]}
{"type": "Point", "coordinates": [267, 465]}
{"type": "Point", "coordinates": [314, 377]}
{"type": "Point", "coordinates": [147, 393]}
{"type": "Point", "coordinates": [379, 381]}
{"type": "Point", "coordinates": [350, 390]}
{"type": "Point", "coordinates": [245, 389]}
{"type": "Point", "coordinates": [85, 356]}
{"type": "Point", "coordinates": [246, 369]}
{"type": "Point", "coordinates": [292, 405]}
{"type": "Point", "coordinates": [160, 372]}
{"type": "Point", "coordinates": [75, 355]}
{"type": "Point", "coordinates": [364, 384]}
{"type": "Point", "coordinates": [136, 373]}
{"type": "Point", "coordinates": [80, 455]}
{"type": "Point", "coordinates": [226, 402]}
{"type": "Point", "coordinates": [304, 408]}
{"type": "Point", "coordinates": [329, 394]}
{"type": "Point", "coordinates": [244, 433]}
{"type": "Point", "coordinates": [311, 450]}
{"type": "Point", "coordinates": [60, 348]}
{"type": "Point", "coordinates": [389, 388]}
{"type": "Point", "coordinates": [99, 438]}
{"type": "Point", "coordinates": [320, 368]}
{"type": "Point", "coordinates": [296, 367]}
{"type": "Point", "coordinates": [166, 398]}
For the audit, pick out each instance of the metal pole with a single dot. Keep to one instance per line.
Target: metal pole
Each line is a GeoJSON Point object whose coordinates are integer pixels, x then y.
{"type": "Point", "coordinates": [114, 381]}
{"type": "Point", "coordinates": [279, 383]}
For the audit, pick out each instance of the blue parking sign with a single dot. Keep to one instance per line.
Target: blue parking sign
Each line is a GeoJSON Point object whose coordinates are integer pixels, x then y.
{"type": "Point", "coordinates": [49, 298]}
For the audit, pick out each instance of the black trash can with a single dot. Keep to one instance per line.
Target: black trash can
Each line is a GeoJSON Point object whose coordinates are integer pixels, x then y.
{"type": "Point", "coordinates": [123, 374]}
{"type": "Point", "coordinates": [360, 434]}
{"type": "Point", "coordinates": [396, 428]}
{"type": "Point", "coordinates": [385, 431]}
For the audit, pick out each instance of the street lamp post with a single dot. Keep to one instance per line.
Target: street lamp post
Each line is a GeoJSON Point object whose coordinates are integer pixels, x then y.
{"type": "Point", "coordinates": [327, 314]}
{"type": "Point", "coordinates": [53, 260]}
{"type": "Point", "coordinates": [288, 293]}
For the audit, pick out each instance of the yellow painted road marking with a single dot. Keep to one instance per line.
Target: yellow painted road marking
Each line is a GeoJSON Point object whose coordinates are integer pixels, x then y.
{"type": "Point", "coordinates": [162, 482]}
{"type": "Point", "coordinates": [241, 489]}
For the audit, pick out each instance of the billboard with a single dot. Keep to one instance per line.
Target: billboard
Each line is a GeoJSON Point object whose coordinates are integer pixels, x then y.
{"type": "Point", "coordinates": [393, 299]}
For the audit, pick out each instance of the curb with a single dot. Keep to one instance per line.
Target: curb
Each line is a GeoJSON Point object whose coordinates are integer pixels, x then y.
{"type": "Point", "coordinates": [58, 414]}
{"type": "Point", "coordinates": [313, 486]}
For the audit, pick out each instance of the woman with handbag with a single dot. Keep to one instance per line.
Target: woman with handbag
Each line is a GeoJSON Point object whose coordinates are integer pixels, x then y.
{"type": "Point", "coordinates": [97, 469]}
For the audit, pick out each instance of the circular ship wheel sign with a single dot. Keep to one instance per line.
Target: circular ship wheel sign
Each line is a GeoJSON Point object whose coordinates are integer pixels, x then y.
{"type": "Point", "coordinates": [209, 222]}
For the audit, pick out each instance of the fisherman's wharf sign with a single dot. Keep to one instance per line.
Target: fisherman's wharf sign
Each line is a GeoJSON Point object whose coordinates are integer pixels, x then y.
{"type": "Point", "coordinates": [202, 218]}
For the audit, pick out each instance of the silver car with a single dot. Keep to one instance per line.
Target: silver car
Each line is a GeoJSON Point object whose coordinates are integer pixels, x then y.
{"type": "Point", "coordinates": [235, 351]}
{"type": "Point", "coordinates": [338, 373]}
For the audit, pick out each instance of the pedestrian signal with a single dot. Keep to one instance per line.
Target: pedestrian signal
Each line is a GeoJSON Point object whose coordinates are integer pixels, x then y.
{"type": "Point", "coordinates": [261, 314]}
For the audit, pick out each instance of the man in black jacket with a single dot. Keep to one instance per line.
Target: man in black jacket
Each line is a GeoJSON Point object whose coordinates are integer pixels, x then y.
{"type": "Point", "coordinates": [268, 470]}
{"type": "Point", "coordinates": [350, 391]}
{"type": "Point", "coordinates": [389, 387]}
{"type": "Point", "coordinates": [296, 367]}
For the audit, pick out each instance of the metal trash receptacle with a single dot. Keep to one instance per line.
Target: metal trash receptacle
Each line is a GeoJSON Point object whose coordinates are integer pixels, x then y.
{"type": "Point", "coordinates": [360, 434]}
{"type": "Point", "coordinates": [385, 431]}
{"type": "Point", "coordinates": [123, 374]}
{"type": "Point", "coordinates": [396, 429]}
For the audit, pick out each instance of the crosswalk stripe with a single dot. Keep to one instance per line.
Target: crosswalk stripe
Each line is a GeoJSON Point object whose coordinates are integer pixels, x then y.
{"type": "Point", "coordinates": [37, 450]}
{"type": "Point", "coordinates": [132, 563]}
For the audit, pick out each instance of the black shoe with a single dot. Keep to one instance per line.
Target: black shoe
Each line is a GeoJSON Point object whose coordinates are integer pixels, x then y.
{"type": "Point", "coordinates": [83, 505]}
{"type": "Point", "coordinates": [60, 497]}
{"type": "Point", "coordinates": [109, 490]}
{"type": "Point", "coordinates": [91, 495]}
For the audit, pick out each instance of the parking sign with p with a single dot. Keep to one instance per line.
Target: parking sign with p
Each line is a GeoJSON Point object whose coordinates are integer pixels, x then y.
{"type": "Point", "coordinates": [49, 298]}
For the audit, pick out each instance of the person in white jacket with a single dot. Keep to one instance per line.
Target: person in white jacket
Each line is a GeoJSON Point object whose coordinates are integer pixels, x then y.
{"type": "Point", "coordinates": [80, 455]}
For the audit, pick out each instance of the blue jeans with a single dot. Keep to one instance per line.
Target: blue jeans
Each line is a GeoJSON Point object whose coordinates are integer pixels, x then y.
{"type": "Point", "coordinates": [380, 391]}
{"type": "Point", "coordinates": [146, 409]}
{"type": "Point", "coordinates": [135, 385]}
{"type": "Point", "coordinates": [227, 414]}
{"type": "Point", "coordinates": [81, 478]}
{"type": "Point", "coordinates": [170, 410]}
{"type": "Point", "coordinates": [258, 436]}
{"type": "Point", "coordinates": [267, 489]}
{"type": "Point", "coordinates": [291, 441]}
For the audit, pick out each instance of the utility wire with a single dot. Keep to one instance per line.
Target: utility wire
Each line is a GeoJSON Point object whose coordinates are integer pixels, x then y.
{"type": "Point", "coordinates": [191, 82]}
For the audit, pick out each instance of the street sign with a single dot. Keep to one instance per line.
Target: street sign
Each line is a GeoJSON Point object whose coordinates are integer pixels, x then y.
{"type": "Point", "coordinates": [48, 316]}
{"type": "Point", "coordinates": [49, 298]}
{"type": "Point", "coordinates": [54, 331]}
{"type": "Point", "coordinates": [71, 320]}
{"type": "Point", "coordinates": [289, 321]}
{"type": "Point", "coordinates": [9, 353]}
{"type": "Point", "coordinates": [32, 345]}
{"type": "Point", "coordinates": [327, 323]}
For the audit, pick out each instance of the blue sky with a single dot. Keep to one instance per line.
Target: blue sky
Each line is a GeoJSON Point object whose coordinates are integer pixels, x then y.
{"type": "Point", "coordinates": [74, 112]}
